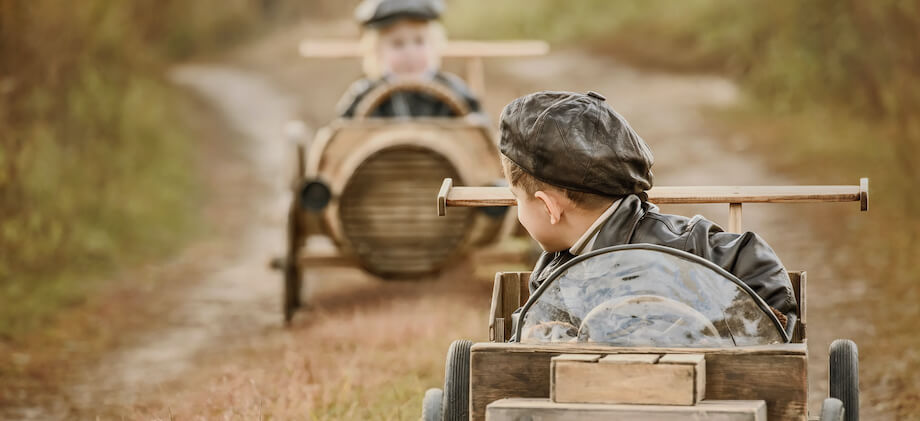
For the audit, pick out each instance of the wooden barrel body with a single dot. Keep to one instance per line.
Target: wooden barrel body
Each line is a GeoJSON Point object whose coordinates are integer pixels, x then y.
{"type": "Point", "coordinates": [384, 177]}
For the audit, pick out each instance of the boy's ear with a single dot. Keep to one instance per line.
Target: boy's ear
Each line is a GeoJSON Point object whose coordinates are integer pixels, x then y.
{"type": "Point", "coordinates": [552, 204]}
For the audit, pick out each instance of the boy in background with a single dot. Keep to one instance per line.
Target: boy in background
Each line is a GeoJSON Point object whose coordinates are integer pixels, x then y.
{"type": "Point", "coordinates": [401, 41]}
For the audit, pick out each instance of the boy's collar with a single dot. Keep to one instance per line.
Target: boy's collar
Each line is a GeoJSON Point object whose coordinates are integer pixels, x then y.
{"type": "Point", "coordinates": [586, 242]}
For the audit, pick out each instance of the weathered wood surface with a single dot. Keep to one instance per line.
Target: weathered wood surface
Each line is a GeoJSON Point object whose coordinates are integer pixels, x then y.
{"type": "Point", "coordinates": [340, 48]}
{"type": "Point", "coordinates": [628, 379]}
{"type": "Point", "coordinates": [776, 374]}
{"type": "Point", "coordinates": [799, 287]}
{"type": "Point", "coordinates": [509, 292]}
{"type": "Point", "coordinates": [502, 196]}
{"type": "Point", "coordinates": [544, 410]}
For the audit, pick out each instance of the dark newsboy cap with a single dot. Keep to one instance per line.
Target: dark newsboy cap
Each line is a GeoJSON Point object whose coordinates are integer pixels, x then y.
{"type": "Point", "coordinates": [381, 13]}
{"type": "Point", "coordinates": [577, 142]}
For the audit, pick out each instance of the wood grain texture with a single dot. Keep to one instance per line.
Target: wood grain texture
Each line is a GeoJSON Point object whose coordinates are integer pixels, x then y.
{"type": "Point", "coordinates": [629, 359]}
{"type": "Point", "coordinates": [776, 374]}
{"type": "Point", "coordinates": [798, 280]}
{"type": "Point", "coordinates": [501, 196]}
{"type": "Point", "coordinates": [626, 380]}
{"type": "Point", "coordinates": [544, 410]}
{"type": "Point", "coordinates": [734, 218]}
{"type": "Point", "coordinates": [509, 292]}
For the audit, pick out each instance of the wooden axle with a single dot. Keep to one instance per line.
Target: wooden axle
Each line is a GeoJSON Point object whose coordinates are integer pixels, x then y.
{"type": "Point", "coordinates": [733, 195]}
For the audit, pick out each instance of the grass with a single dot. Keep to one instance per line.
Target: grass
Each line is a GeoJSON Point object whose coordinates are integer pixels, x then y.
{"type": "Point", "coordinates": [96, 162]}
{"type": "Point", "coordinates": [368, 362]}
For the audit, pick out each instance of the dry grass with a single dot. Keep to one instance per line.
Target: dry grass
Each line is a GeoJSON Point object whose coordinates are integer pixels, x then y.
{"type": "Point", "coordinates": [364, 354]}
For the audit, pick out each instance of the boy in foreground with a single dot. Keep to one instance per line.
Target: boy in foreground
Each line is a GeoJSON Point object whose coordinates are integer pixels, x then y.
{"type": "Point", "coordinates": [579, 173]}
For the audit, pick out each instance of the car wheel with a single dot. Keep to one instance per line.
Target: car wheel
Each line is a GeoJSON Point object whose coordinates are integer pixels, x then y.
{"type": "Point", "coordinates": [844, 376]}
{"type": "Point", "coordinates": [431, 404]}
{"type": "Point", "coordinates": [457, 382]}
{"type": "Point", "coordinates": [831, 410]}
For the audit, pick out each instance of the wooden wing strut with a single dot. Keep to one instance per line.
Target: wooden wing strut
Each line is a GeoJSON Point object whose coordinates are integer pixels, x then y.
{"type": "Point", "coordinates": [735, 196]}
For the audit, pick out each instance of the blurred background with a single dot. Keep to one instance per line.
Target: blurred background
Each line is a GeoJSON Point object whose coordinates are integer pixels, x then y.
{"type": "Point", "coordinates": [129, 166]}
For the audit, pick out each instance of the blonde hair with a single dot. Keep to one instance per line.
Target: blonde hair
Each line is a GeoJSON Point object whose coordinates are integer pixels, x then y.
{"type": "Point", "coordinates": [523, 180]}
{"type": "Point", "coordinates": [370, 42]}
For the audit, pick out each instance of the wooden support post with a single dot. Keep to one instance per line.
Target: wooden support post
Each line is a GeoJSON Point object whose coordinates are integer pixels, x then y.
{"type": "Point", "coordinates": [442, 196]}
{"type": "Point", "coordinates": [301, 160]}
{"type": "Point", "coordinates": [734, 218]}
{"type": "Point", "coordinates": [499, 332]}
{"type": "Point", "coordinates": [475, 75]}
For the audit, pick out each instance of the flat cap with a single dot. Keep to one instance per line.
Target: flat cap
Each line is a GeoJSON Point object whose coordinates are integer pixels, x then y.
{"type": "Point", "coordinates": [381, 13]}
{"type": "Point", "coordinates": [577, 142]}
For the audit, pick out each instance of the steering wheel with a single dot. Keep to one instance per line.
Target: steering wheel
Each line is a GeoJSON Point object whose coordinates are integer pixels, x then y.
{"type": "Point", "coordinates": [647, 320]}
{"type": "Point", "coordinates": [379, 95]}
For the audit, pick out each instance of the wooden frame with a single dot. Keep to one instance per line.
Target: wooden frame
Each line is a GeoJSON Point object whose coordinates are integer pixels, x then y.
{"type": "Point", "coordinates": [471, 51]}
{"type": "Point", "coordinates": [512, 370]}
{"type": "Point", "coordinates": [735, 196]}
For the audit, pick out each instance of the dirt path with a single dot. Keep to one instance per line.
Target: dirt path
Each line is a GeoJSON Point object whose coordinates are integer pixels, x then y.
{"type": "Point", "coordinates": [367, 350]}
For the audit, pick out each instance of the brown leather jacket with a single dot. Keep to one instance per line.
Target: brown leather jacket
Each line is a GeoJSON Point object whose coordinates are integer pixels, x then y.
{"type": "Point", "coordinates": [746, 256]}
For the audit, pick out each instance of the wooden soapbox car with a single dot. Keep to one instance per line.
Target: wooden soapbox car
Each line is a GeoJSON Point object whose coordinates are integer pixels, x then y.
{"type": "Point", "coordinates": [643, 332]}
{"type": "Point", "coordinates": [368, 183]}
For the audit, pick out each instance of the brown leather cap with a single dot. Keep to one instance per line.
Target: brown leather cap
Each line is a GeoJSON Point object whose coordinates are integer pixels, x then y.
{"type": "Point", "coordinates": [577, 142]}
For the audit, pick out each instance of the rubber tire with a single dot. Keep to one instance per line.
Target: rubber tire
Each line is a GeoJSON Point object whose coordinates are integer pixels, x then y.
{"type": "Point", "coordinates": [832, 410]}
{"type": "Point", "coordinates": [431, 404]}
{"type": "Point", "coordinates": [456, 404]}
{"type": "Point", "coordinates": [844, 376]}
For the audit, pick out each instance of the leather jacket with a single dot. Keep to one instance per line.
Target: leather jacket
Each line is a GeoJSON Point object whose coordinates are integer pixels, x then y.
{"type": "Point", "coordinates": [408, 104]}
{"type": "Point", "coordinates": [746, 255]}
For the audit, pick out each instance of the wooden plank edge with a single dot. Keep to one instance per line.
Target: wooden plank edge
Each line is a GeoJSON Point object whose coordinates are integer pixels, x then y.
{"type": "Point", "coordinates": [864, 194]}
{"type": "Point", "coordinates": [443, 194]}
{"type": "Point", "coordinates": [778, 349]}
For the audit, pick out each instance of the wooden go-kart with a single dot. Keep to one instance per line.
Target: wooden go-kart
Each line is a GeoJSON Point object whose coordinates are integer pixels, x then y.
{"type": "Point", "coordinates": [642, 332]}
{"type": "Point", "coordinates": [367, 183]}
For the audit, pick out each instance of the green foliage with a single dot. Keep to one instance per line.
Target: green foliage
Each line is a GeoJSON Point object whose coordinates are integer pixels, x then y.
{"type": "Point", "coordinates": [830, 69]}
{"type": "Point", "coordinates": [96, 161]}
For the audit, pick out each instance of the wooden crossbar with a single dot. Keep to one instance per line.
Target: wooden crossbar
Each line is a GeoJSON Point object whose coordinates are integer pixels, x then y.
{"type": "Point", "coordinates": [339, 48]}
{"type": "Point", "coordinates": [733, 195]}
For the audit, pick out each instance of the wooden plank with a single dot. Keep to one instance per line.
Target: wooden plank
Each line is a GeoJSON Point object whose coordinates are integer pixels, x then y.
{"type": "Point", "coordinates": [776, 374]}
{"type": "Point", "coordinates": [499, 330]}
{"type": "Point", "coordinates": [798, 287]}
{"type": "Point", "coordinates": [340, 48]}
{"type": "Point", "coordinates": [511, 298]}
{"type": "Point", "coordinates": [628, 379]}
{"type": "Point", "coordinates": [630, 359]}
{"type": "Point", "coordinates": [502, 307]}
{"type": "Point", "coordinates": [544, 410]}
{"type": "Point", "coordinates": [586, 348]}
{"type": "Point", "coordinates": [502, 196]}
{"type": "Point", "coordinates": [495, 310]}
{"type": "Point", "coordinates": [698, 362]}
{"type": "Point", "coordinates": [581, 358]}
